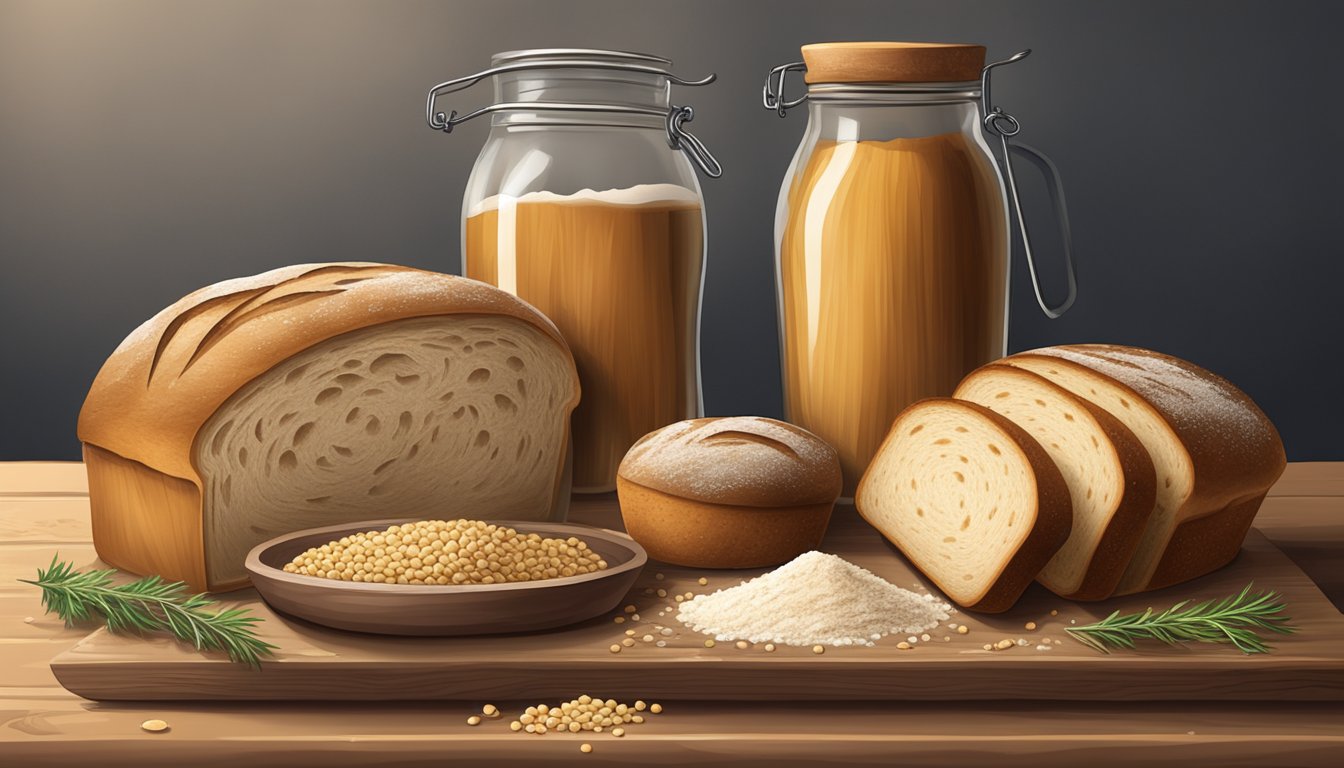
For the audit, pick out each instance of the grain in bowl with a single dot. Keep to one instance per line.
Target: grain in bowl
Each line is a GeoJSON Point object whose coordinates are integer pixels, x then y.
{"type": "Point", "coordinates": [447, 552]}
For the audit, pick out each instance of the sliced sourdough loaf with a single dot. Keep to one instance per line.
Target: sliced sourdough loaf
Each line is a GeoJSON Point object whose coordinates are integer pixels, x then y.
{"type": "Point", "coordinates": [1215, 452]}
{"type": "Point", "coordinates": [970, 498]}
{"type": "Point", "coordinates": [320, 394]}
{"type": "Point", "coordinates": [1110, 476]}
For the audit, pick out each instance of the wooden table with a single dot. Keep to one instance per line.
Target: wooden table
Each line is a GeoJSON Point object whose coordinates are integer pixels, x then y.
{"type": "Point", "coordinates": [44, 510]}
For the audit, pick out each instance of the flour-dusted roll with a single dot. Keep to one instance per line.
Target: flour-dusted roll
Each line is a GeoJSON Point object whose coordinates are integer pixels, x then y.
{"type": "Point", "coordinates": [1215, 452]}
{"type": "Point", "coordinates": [734, 492]}
{"type": "Point", "coordinates": [319, 394]}
{"type": "Point", "coordinates": [970, 498]}
{"type": "Point", "coordinates": [1110, 476]}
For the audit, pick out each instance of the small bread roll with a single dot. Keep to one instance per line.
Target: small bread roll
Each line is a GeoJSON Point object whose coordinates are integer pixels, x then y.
{"type": "Point", "coordinates": [738, 492]}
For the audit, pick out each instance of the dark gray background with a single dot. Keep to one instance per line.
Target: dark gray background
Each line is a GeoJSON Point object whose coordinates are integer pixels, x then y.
{"type": "Point", "coordinates": [150, 148]}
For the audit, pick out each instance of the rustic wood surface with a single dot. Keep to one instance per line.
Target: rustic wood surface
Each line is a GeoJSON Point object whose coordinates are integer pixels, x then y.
{"type": "Point", "coordinates": [43, 510]}
{"type": "Point", "coordinates": [319, 664]}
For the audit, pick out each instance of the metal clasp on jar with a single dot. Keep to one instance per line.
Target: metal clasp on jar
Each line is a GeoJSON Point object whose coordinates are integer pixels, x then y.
{"type": "Point", "coordinates": [996, 122]}
{"type": "Point", "coordinates": [678, 138]}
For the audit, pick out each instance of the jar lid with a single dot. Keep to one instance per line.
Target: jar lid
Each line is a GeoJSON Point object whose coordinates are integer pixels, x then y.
{"type": "Point", "coordinates": [893, 62]}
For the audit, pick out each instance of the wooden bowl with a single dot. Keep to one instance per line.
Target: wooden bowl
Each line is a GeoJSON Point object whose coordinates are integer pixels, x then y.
{"type": "Point", "coordinates": [468, 609]}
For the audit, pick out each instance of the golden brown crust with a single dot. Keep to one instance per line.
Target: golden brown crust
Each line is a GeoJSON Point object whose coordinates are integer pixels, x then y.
{"type": "Point", "coordinates": [168, 377]}
{"type": "Point", "coordinates": [697, 534]}
{"type": "Point", "coordinates": [145, 521]}
{"type": "Point", "coordinates": [741, 461]}
{"type": "Point", "coordinates": [1233, 446]}
{"type": "Point", "coordinates": [1054, 510]}
{"type": "Point", "coordinates": [1235, 451]}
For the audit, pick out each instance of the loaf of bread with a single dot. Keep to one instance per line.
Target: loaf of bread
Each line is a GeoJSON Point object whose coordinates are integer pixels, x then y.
{"type": "Point", "coordinates": [1215, 453]}
{"type": "Point", "coordinates": [739, 492]}
{"type": "Point", "coordinates": [319, 394]}
{"type": "Point", "coordinates": [970, 498]}
{"type": "Point", "coordinates": [1111, 480]}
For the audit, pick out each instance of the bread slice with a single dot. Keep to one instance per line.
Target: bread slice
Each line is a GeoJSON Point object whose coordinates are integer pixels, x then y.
{"type": "Point", "coordinates": [321, 394]}
{"type": "Point", "coordinates": [970, 498]}
{"type": "Point", "coordinates": [1112, 484]}
{"type": "Point", "coordinates": [1215, 452]}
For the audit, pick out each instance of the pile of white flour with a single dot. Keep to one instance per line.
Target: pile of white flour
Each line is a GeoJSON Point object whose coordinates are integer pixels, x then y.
{"type": "Point", "coordinates": [816, 599]}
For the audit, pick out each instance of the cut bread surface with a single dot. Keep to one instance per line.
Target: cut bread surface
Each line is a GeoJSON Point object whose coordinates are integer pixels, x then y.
{"type": "Point", "coordinates": [1175, 478]}
{"type": "Point", "coordinates": [1109, 475]}
{"type": "Point", "coordinates": [969, 498]}
{"type": "Point", "coordinates": [450, 416]}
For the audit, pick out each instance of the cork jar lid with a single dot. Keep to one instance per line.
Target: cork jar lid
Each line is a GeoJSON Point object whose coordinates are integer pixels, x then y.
{"type": "Point", "coordinates": [893, 62]}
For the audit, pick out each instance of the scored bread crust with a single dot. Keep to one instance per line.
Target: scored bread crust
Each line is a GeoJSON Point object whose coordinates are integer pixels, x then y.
{"type": "Point", "coordinates": [1235, 452]}
{"type": "Point", "coordinates": [1123, 531]}
{"type": "Point", "coordinates": [740, 460]}
{"type": "Point", "coordinates": [1053, 518]}
{"type": "Point", "coordinates": [158, 388]}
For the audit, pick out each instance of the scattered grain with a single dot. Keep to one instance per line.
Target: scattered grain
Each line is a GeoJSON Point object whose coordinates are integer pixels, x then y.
{"type": "Point", "coordinates": [619, 619]}
{"type": "Point", "coordinates": [702, 581]}
{"type": "Point", "coordinates": [490, 710]}
{"type": "Point", "coordinates": [647, 638]}
{"type": "Point", "coordinates": [709, 643]}
{"type": "Point", "coordinates": [154, 726]}
{"type": "Point", "coordinates": [585, 748]}
{"type": "Point", "coordinates": [628, 642]}
{"type": "Point", "coordinates": [742, 645]}
{"type": "Point", "coordinates": [630, 608]}
{"type": "Point", "coordinates": [656, 708]}
{"type": "Point", "coordinates": [474, 720]}
{"type": "Point", "coordinates": [618, 732]}
{"type": "Point", "coordinates": [769, 647]}
{"type": "Point", "coordinates": [659, 576]}
{"type": "Point", "coordinates": [904, 646]}
{"type": "Point", "coordinates": [615, 649]}
{"type": "Point", "coordinates": [818, 649]}
{"type": "Point", "coordinates": [1030, 625]}
{"type": "Point", "coordinates": [963, 629]}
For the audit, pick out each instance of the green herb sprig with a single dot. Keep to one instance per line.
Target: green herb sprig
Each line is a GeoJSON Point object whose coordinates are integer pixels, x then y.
{"type": "Point", "coordinates": [1232, 619]}
{"type": "Point", "coordinates": [149, 605]}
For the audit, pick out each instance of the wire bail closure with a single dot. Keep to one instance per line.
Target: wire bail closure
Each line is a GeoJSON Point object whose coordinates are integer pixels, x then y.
{"type": "Point", "coordinates": [998, 123]}
{"type": "Point", "coordinates": [1005, 126]}
{"type": "Point", "coordinates": [678, 138]}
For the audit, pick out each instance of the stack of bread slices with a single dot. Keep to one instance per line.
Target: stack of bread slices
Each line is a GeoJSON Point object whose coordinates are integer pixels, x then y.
{"type": "Point", "coordinates": [1096, 470]}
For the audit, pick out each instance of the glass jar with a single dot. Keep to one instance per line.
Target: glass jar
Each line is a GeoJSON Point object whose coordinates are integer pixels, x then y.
{"type": "Point", "coordinates": [585, 202]}
{"type": "Point", "coordinates": [892, 237]}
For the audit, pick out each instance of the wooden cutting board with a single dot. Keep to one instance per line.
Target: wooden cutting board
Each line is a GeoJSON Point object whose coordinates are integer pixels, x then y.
{"type": "Point", "coordinates": [318, 664]}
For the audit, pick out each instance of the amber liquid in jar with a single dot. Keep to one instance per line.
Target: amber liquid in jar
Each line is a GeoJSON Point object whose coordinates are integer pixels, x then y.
{"type": "Point", "coordinates": [619, 273]}
{"type": "Point", "coordinates": [892, 273]}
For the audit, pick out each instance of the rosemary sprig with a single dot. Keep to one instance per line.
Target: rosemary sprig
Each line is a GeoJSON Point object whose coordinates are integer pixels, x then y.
{"type": "Point", "coordinates": [149, 605]}
{"type": "Point", "coordinates": [1232, 619]}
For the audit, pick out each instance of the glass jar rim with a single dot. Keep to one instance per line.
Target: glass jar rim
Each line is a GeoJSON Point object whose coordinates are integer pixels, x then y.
{"type": "Point", "coordinates": [577, 56]}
